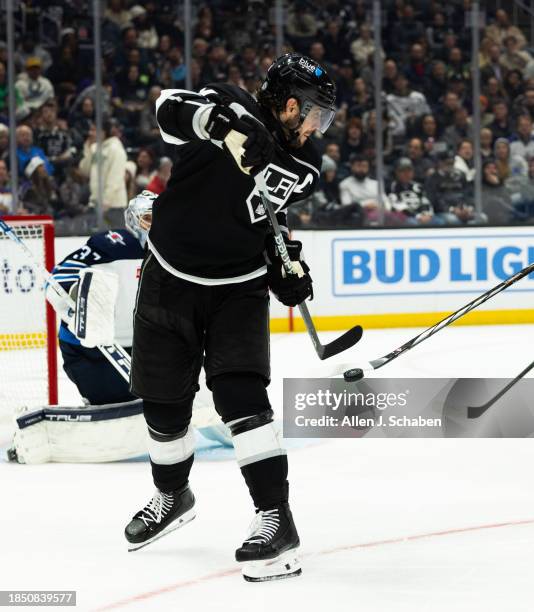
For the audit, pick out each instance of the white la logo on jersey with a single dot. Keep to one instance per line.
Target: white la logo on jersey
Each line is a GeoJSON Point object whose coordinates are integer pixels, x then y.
{"type": "Point", "coordinates": [281, 184]}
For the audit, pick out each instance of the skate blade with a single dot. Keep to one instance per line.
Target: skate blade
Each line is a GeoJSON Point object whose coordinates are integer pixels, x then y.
{"type": "Point", "coordinates": [187, 517]}
{"type": "Point", "coordinates": [287, 565]}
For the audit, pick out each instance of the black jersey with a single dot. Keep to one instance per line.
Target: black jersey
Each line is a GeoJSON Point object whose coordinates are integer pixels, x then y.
{"type": "Point", "coordinates": [209, 225]}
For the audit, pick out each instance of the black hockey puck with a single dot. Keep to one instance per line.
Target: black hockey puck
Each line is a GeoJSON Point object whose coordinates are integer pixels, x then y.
{"type": "Point", "coordinates": [352, 375]}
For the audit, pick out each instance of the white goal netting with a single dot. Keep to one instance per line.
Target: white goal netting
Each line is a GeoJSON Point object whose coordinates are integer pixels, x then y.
{"type": "Point", "coordinates": [27, 329]}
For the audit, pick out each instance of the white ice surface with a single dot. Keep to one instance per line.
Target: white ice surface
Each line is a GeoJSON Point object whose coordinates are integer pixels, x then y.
{"type": "Point", "coordinates": [386, 525]}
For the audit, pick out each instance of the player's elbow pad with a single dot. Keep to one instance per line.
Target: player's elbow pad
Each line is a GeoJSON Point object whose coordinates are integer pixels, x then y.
{"type": "Point", "coordinates": [179, 119]}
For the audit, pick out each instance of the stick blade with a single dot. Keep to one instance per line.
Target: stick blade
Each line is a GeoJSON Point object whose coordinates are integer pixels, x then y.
{"type": "Point", "coordinates": [475, 412]}
{"type": "Point", "coordinates": [344, 342]}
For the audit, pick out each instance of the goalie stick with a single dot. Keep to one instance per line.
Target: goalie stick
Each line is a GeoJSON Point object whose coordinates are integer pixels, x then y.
{"type": "Point", "coordinates": [324, 351]}
{"type": "Point", "coordinates": [474, 412]}
{"type": "Point", "coordinates": [358, 373]}
{"type": "Point", "coordinates": [114, 353]}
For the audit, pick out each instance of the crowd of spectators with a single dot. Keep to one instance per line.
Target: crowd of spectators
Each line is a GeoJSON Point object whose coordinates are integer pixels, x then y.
{"type": "Point", "coordinates": [427, 140]}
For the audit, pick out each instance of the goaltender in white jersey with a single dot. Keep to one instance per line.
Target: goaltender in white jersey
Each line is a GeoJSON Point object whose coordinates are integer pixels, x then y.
{"type": "Point", "coordinates": [110, 426]}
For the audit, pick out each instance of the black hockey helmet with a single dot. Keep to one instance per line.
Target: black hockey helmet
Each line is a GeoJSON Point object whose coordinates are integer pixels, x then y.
{"type": "Point", "coordinates": [296, 76]}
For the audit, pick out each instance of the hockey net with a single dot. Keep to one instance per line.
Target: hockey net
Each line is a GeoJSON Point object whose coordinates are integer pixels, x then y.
{"type": "Point", "coordinates": [28, 344]}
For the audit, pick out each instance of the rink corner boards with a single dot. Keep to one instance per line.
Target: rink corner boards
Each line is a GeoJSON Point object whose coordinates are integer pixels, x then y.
{"type": "Point", "coordinates": [415, 319]}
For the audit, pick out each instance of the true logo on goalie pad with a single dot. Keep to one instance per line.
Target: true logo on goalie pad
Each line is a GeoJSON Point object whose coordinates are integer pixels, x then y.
{"type": "Point", "coordinates": [115, 238]}
{"type": "Point", "coordinates": [281, 184]}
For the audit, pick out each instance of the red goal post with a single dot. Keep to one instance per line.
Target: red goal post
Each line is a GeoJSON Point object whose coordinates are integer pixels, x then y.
{"type": "Point", "coordinates": [28, 332]}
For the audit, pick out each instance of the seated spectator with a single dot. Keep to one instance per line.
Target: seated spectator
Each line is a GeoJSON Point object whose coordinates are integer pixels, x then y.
{"type": "Point", "coordinates": [406, 105]}
{"type": "Point", "coordinates": [390, 74]}
{"type": "Point", "coordinates": [328, 210]}
{"type": "Point", "coordinates": [159, 180]}
{"type": "Point", "coordinates": [522, 141]}
{"type": "Point", "coordinates": [493, 67]}
{"type": "Point", "coordinates": [416, 70]}
{"type": "Point", "coordinates": [460, 130]}
{"type": "Point", "coordinates": [29, 48]}
{"type": "Point", "coordinates": [301, 26]}
{"type": "Point", "coordinates": [147, 35]}
{"type": "Point", "coordinates": [54, 141]}
{"type": "Point", "coordinates": [133, 91]}
{"type": "Point", "coordinates": [486, 144]}
{"type": "Point", "coordinates": [4, 94]}
{"type": "Point", "coordinates": [6, 195]}
{"type": "Point", "coordinates": [82, 121]}
{"type": "Point", "coordinates": [437, 31]}
{"type": "Point", "coordinates": [74, 193]}
{"type": "Point", "coordinates": [173, 71]}
{"type": "Point", "coordinates": [521, 190]}
{"type": "Point", "coordinates": [513, 58]}
{"type": "Point", "coordinates": [26, 150]}
{"type": "Point", "coordinates": [334, 42]}
{"type": "Point", "coordinates": [421, 162]}
{"type": "Point", "coordinates": [427, 131]}
{"type": "Point", "coordinates": [508, 165]}
{"type": "Point", "coordinates": [361, 100]}
{"type": "Point", "coordinates": [464, 162]}
{"type": "Point", "coordinates": [215, 68]}
{"type": "Point", "coordinates": [113, 173]}
{"type": "Point", "coordinates": [447, 110]}
{"type": "Point", "coordinates": [117, 13]}
{"type": "Point", "coordinates": [38, 194]}
{"type": "Point", "coordinates": [354, 139]}
{"type": "Point", "coordinates": [235, 77]}
{"type": "Point", "coordinates": [65, 74]}
{"type": "Point", "coordinates": [359, 188]}
{"type": "Point", "coordinates": [502, 125]}
{"type": "Point", "coordinates": [436, 83]}
{"type": "Point", "coordinates": [331, 153]}
{"type": "Point", "coordinates": [148, 124]}
{"type": "Point", "coordinates": [345, 83]}
{"type": "Point", "coordinates": [524, 104]}
{"type": "Point", "coordinates": [494, 92]}
{"type": "Point", "coordinates": [514, 84]}
{"type": "Point", "coordinates": [363, 47]}
{"type": "Point", "coordinates": [456, 66]}
{"type": "Point", "coordinates": [496, 198]}
{"type": "Point", "coordinates": [34, 88]}
{"type": "Point", "coordinates": [449, 194]}
{"type": "Point", "coordinates": [408, 201]}
{"type": "Point", "coordinates": [501, 28]}
{"type": "Point", "coordinates": [145, 169]}
{"type": "Point", "coordinates": [407, 30]}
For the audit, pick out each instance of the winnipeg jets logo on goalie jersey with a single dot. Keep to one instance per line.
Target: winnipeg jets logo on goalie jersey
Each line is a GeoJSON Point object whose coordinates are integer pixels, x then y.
{"type": "Point", "coordinates": [116, 251]}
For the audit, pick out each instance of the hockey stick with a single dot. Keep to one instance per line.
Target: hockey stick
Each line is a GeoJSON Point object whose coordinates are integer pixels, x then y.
{"type": "Point", "coordinates": [114, 353]}
{"type": "Point", "coordinates": [324, 351]}
{"type": "Point", "coordinates": [358, 373]}
{"type": "Point", "coordinates": [473, 412]}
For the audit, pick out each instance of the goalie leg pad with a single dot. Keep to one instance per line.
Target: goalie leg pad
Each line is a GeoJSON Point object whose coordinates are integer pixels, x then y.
{"type": "Point", "coordinates": [90, 434]}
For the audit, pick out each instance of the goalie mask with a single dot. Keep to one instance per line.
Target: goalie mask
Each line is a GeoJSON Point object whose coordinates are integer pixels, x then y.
{"type": "Point", "coordinates": [138, 215]}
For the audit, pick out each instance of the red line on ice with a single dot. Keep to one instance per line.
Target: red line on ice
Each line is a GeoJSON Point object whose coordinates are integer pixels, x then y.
{"type": "Point", "coordinates": [236, 570]}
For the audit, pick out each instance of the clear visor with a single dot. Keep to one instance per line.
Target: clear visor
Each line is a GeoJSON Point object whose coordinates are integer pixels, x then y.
{"type": "Point", "coordinates": [318, 118]}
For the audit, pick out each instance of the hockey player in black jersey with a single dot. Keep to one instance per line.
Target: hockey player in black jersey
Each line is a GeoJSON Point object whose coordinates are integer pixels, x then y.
{"type": "Point", "coordinates": [203, 294]}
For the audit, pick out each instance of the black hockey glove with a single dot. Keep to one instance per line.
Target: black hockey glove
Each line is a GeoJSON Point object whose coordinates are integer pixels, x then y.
{"type": "Point", "coordinates": [220, 121]}
{"type": "Point", "coordinates": [259, 145]}
{"type": "Point", "coordinates": [290, 289]}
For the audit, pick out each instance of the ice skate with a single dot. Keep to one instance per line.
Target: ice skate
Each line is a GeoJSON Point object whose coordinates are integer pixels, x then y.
{"type": "Point", "coordinates": [270, 551]}
{"type": "Point", "coordinates": [164, 513]}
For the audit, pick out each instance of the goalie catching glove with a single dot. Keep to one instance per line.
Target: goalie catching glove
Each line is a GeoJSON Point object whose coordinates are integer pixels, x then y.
{"type": "Point", "coordinates": [290, 289]}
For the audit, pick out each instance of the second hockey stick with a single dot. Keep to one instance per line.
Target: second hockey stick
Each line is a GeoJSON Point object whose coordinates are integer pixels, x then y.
{"type": "Point", "coordinates": [474, 412]}
{"type": "Point", "coordinates": [358, 373]}
{"type": "Point", "coordinates": [324, 351]}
